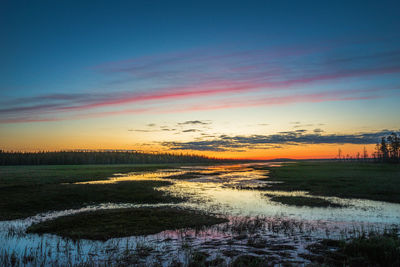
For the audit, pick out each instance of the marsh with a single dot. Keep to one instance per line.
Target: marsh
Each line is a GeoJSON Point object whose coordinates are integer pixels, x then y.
{"type": "Point", "coordinates": [209, 214]}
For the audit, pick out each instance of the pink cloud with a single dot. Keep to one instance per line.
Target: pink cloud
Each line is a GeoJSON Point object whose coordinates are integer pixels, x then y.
{"type": "Point", "coordinates": [228, 104]}
{"type": "Point", "coordinates": [223, 87]}
{"type": "Point", "coordinates": [275, 101]}
{"type": "Point", "coordinates": [204, 75]}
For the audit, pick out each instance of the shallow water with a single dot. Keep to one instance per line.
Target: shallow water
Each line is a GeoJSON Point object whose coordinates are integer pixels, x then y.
{"type": "Point", "coordinates": [220, 189]}
{"type": "Point", "coordinates": [258, 226]}
{"type": "Point", "coordinates": [220, 193]}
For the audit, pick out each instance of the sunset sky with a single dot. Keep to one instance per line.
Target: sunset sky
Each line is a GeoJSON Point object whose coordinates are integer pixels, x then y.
{"type": "Point", "coordinates": [238, 79]}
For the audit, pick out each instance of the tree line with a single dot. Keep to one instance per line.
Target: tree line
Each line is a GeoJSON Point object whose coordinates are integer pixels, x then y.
{"type": "Point", "coordinates": [99, 157]}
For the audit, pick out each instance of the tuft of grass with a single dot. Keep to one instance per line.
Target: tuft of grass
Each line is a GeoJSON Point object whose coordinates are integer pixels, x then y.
{"type": "Point", "coordinates": [301, 201]}
{"type": "Point", "coordinates": [250, 261]}
{"type": "Point", "coordinates": [106, 224]}
{"type": "Point", "coordinates": [372, 181]}
{"type": "Point", "coordinates": [188, 175]}
{"type": "Point", "coordinates": [375, 249]}
{"type": "Point", "coordinates": [192, 175]}
{"type": "Point", "coordinates": [372, 249]}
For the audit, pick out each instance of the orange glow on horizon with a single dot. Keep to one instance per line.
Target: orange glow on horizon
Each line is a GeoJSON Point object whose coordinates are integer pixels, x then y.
{"type": "Point", "coordinates": [313, 151]}
{"type": "Point", "coordinates": [297, 152]}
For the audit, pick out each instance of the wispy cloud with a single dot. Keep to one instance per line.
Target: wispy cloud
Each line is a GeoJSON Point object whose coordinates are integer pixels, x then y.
{"type": "Point", "coordinates": [233, 102]}
{"type": "Point", "coordinates": [190, 131]}
{"type": "Point", "coordinates": [195, 122]}
{"type": "Point", "coordinates": [202, 75]}
{"type": "Point", "coordinates": [275, 101]}
{"type": "Point", "coordinates": [152, 127]}
{"type": "Point", "coordinates": [140, 130]}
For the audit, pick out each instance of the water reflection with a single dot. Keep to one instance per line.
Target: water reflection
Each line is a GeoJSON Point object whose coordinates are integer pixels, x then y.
{"type": "Point", "coordinates": [220, 189]}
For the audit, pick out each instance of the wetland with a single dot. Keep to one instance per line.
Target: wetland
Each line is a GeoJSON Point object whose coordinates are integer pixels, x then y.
{"type": "Point", "coordinates": [247, 214]}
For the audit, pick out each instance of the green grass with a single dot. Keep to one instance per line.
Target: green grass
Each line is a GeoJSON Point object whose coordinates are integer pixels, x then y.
{"type": "Point", "coordinates": [192, 175]}
{"type": "Point", "coordinates": [21, 202]}
{"type": "Point", "coordinates": [250, 261]}
{"type": "Point", "coordinates": [106, 224]}
{"type": "Point", "coordinates": [28, 190]}
{"type": "Point", "coordinates": [341, 179]}
{"type": "Point", "coordinates": [301, 201]}
{"type": "Point", "coordinates": [376, 249]}
{"type": "Point", "coordinates": [11, 176]}
{"type": "Point", "coordinates": [383, 250]}
{"type": "Point", "coordinates": [368, 249]}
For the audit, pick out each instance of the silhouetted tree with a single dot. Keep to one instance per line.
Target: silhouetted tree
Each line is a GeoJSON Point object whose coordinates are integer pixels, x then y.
{"type": "Point", "coordinates": [365, 154]}
{"type": "Point", "coordinates": [384, 149]}
{"type": "Point", "coordinates": [388, 150]}
{"type": "Point", "coordinates": [394, 146]}
{"type": "Point", "coordinates": [340, 154]}
{"type": "Point", "coordinates": [378, 152]}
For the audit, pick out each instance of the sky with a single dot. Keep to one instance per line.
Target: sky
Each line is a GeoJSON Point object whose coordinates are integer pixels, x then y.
{"type": "Point", "coordinates": [232, 79]}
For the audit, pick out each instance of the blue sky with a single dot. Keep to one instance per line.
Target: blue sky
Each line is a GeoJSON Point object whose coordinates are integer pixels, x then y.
{"type": "Point", "coordinates": [133, 63]}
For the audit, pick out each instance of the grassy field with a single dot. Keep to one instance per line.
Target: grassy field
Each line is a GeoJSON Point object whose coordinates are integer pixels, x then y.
{"type": "Point", "coordinates": [106, 224]}
{"type": "Point", "coordinates": [11, 176]}
{"type": "Point", "coordinates": [368, 249]}
{"type": "Point", "coordinates": [28, 190]}
{"type": "Point", "coordinates": [20, 202]}
{"type": "Point", "coordinates": [341, 179]}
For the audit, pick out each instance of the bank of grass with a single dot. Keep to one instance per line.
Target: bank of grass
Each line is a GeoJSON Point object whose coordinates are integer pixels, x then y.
{"type": "Point", "coordinates": [11, 176]}
{"type": "Point", "coordinates": [21, 202]}
{"type": "Point", "coordinates": [301, 201]}
{"type": "Point", "coordinates": [192, 175]}
{"type": "Point", "coordinates": [368, 249]}
{"type": "Point", "coordinates": [374, 250]}
{"type": "Point", "coordinates": [106, 224]}
{"type": "Point", "coordinates": [372, 181]}
{"type": "Point", "coordinates": [28, 190]}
